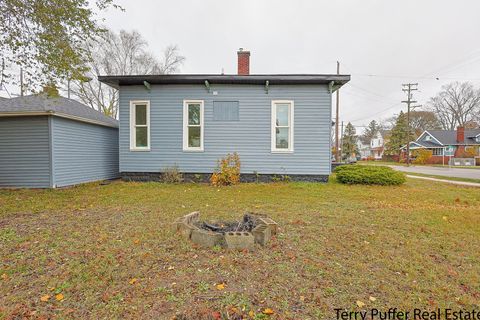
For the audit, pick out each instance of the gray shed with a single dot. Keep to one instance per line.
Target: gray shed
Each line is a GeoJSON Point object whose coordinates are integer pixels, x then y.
{"type": "Point", "coordinates": [50, 142]}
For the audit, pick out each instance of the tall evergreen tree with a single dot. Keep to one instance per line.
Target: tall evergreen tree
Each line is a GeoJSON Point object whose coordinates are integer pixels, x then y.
{"type": "Point", "coordinates": [349, 143]}
{"type": "Point", "coordinates": [399, 135]}
{"type": "Point", "coordinates": [371, 131]}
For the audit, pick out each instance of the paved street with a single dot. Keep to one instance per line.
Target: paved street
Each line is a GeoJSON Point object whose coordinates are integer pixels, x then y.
{"type": "Point", "coordinates": [447, 172]}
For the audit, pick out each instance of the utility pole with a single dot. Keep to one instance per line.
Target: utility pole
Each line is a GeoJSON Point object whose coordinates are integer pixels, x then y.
{"type": "Point", "coordinates": [341, 145]}
{"type": "Point", "coordinates": [337, 119]}
{"type": "Point", "coordinates": [408, 88]}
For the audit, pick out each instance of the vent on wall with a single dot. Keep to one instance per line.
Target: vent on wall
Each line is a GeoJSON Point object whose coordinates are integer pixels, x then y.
{"type": "Point", "coordinates": [225, 111]}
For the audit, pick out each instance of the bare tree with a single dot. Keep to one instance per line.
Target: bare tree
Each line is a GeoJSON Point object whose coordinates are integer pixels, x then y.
{"type": "Point", "coordinates": [423, 120]}
{"type": "Point", "coordinates": [124, 53]}
{"type": "Point", "coordinates": [171, 60]}
{"type": "Point", "coordinates": [387, 124]}
{"type": "Point", "coordinates": [456, 105]}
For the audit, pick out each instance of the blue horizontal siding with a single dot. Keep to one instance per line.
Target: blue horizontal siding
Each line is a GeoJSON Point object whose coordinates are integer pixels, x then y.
{"type": "Point", "coordinates": [83, 152]}
{"type": "Point", "coordinates": [24, 152]}
{"type": "Point", "coordinates": [250, 136]}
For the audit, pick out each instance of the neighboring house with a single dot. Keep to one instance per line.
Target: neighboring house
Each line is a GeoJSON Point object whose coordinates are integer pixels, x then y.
{"type": "Point", "coordinates": [278, 124]}
{"type": "Point", "coordinates": [446, 144]}
{"type": "Point", "coordinates": [54, 142]}
{"type": "Point", "coordinates": [363, 147]}
{"type": "Point", "coordinates": [377, 147]}
{"type": "Point", "coordinates": [373, 149]}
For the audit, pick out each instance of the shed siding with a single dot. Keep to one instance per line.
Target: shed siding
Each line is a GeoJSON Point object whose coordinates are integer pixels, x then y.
{"type": "Point", "coordinates": [83, 152]}
{"type": "Point", "coordinates": [24, 152]}
{"type": "Point", "coordinates": [250, 136]}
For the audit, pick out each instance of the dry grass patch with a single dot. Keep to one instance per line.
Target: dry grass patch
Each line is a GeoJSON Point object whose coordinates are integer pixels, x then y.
{"type": "Point", "coordinates": [110, 251]}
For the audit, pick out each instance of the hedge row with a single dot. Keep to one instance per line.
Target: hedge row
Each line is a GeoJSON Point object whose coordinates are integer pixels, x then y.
{"type": "Point", "coordinates": [375, 175]}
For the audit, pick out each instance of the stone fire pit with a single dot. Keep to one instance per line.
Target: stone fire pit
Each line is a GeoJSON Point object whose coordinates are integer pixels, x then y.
{"type": "Point", "coordinates": [243, 234]}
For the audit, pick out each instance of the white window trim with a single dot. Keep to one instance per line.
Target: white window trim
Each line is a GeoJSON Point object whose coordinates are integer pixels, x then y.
{"type": "Point", "coordinates": [290, 149]}
{"type": "Point", "coordinates": [185, 126]}
{"type": "Point", "coordinates": [134, 103]}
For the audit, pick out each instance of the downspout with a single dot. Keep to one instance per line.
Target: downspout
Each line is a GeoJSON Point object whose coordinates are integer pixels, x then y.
{"type": "Point", "coordinates": [50, 151]}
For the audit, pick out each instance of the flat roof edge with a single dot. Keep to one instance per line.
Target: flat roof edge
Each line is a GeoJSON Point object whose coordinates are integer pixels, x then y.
{"type": "Point", "coordinates": [256, 79]}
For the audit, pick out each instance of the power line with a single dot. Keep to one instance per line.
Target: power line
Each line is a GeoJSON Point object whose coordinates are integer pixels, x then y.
{"type": "Point", "coordinates": [472, 57]}
{"type": "Point", "coordinates": [412, 77]}
{"type": "Point", "coordinates": [379, 112]}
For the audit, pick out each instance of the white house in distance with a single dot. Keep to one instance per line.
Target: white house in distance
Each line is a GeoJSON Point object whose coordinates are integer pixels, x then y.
{"type": "Point", "coordinates": [372, 150]}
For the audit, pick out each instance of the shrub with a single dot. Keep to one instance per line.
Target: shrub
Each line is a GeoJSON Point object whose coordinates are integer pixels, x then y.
{"type": "Point", "coordinates": [227, 172]}
{"type": "Point", "coordinates": [373, 175]}
{"type": "Point", "coordinates": [468, 153]}
{"type": "Point", "coordinates": [422, 156]}
{"type": "Point", "coordinates": [281, 178]}
{"type": "Point", "coordinates": [172, 175]}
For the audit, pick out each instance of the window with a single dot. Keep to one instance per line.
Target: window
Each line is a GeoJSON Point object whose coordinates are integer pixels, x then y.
{"type": "Point", "coordinates": [140, 125]}
{"type": "Point", "coordinates": [282, 126]}
{"type": "Point", "coordinates": [428, 138]}
{"type": "Point", "coordinates": [193, 125]}
{"type": "Point", "coordinates": [437, 151]}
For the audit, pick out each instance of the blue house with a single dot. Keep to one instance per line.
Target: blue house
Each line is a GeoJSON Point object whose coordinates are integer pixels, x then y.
{"type": "Point", "coordinates": [54, 142]}
{"type": "Point", "coordinates": [278, 124]}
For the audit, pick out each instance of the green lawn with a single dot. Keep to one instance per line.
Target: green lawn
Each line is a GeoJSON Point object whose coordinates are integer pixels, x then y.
{"type": "Point", "coordinates": [109, 252]}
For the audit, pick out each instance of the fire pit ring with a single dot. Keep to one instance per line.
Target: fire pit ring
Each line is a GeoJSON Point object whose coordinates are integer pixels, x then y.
{"type": "Point", "coordinates": [252, 229]}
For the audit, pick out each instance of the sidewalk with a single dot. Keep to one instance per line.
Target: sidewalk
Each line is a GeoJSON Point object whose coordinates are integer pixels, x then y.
{"type": "Point", "coordinates": [463, 183]}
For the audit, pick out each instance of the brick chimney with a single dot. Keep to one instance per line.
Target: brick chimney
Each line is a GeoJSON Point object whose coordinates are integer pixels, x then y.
{"type": "Point", "coordinates": [243, 62]}
{"type": "Point", "coordinates": [461, 134]}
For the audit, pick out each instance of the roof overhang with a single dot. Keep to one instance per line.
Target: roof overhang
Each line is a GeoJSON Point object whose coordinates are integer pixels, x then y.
{"type": "Point", "coordinates": [333, 80]}
{"type": "Point", "coordinates": [418, 146]}
{"type": "Point", "coordinates": [53, 113]}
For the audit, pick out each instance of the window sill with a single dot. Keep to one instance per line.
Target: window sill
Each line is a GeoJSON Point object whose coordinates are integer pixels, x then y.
{"type": "Point", "coordinates": [193, 150]}
{"type": "Point", "coordinates": [140, 150]}
{"type": "Point", "coordinates": [281, 151]}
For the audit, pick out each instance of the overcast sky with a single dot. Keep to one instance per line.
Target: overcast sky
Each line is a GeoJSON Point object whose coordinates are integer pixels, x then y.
{"type": "Point", "coordinates": [393, 41]}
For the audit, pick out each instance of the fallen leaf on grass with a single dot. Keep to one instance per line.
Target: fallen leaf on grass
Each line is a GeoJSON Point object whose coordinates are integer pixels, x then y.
{"type": "Point", "coordinates": [372, 299]}
{"type": "Point", "coordinates": [136, 241]}
{"type": "Point", "coordinates": [59, 297]}
{"type": "Point", "coordinates": [45, 298]}
{"type": "Point", "coordinates": [220, 286]}
{"type": "Point", "coordinates": [445, 218]}
{"type": "Point", "coordinates": [216, 315]}
{"type": "Point", "coordinates": [251, 313]}
{"type": "Point", "coordinates": [132, 281]}
{"type": "Point", "coordinates": [4, 276]}
{"type": "Point", "coordinates": [360, 304]}
{"type": "Point", "coordinates": [268, 311]}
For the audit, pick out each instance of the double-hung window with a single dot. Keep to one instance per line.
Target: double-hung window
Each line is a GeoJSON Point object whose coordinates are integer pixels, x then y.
{"type": "Point", "coordinates": [193, 125]}
{"type": "Point", "coordinates": [282, 126]}
{"type": "Point", "coordinates": [140, 125]}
